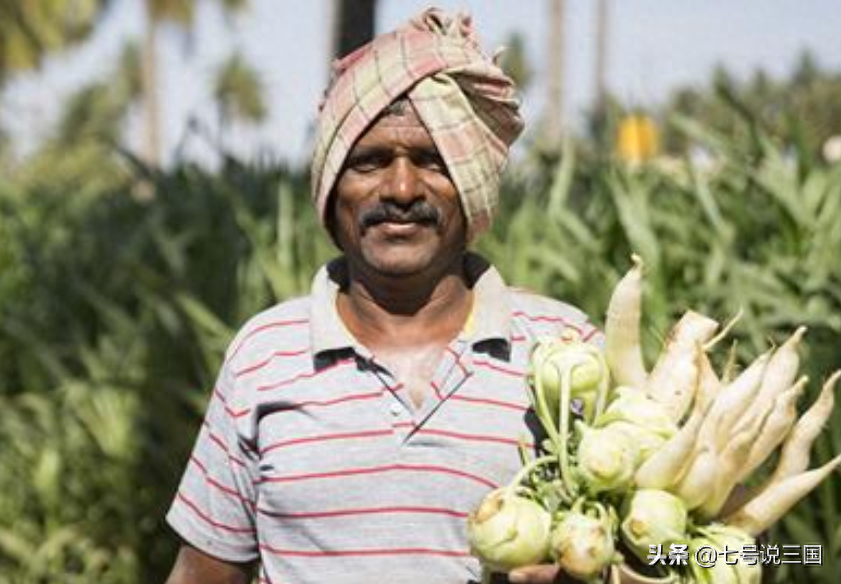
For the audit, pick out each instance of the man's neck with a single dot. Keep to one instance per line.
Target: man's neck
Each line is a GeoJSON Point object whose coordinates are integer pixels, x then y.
{"type": "Point", "coordinates": [405, 311]}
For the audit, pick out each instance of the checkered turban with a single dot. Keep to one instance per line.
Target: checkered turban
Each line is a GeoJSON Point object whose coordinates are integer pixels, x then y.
{"type": "Point", "coordinates": [465, 101]}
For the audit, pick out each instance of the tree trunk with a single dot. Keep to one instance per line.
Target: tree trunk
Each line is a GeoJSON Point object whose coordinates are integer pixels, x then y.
{"type": "Point", "coordinates": [601, 54]}
{"type": "Point", "coordinates": [151, 147]}
{"type": "Point", "coordinates": [555, 74]}
{"type": "Point", "coordinates": [353, 25]}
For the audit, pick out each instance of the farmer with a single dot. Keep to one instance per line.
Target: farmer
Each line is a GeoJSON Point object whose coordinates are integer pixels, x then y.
{"type": "Point", "coordinates": [351, 431]}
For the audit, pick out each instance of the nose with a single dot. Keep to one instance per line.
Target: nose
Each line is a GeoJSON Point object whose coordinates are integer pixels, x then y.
{"type": "Point", "coordinates": [404, 183]}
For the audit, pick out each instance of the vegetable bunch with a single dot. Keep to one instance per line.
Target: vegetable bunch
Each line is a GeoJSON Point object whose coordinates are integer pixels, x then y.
{"type": "Point", "coordinates": [635, 458]}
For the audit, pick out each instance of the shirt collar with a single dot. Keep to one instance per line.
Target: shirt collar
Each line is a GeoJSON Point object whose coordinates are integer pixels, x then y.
{"type": "Point", "coordinates": [328, 331]}
{"type": "Point", "coordinates": [489, 320]}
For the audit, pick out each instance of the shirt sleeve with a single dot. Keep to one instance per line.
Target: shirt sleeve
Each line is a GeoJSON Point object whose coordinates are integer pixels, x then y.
{"type": "Point", "coordinates": [593, 335]}
{"type": "Point", "coordinates": [214, 508]}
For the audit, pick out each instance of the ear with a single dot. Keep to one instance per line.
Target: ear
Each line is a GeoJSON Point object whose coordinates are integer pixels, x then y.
{"type": "Point", "coordinates": [330, 218]}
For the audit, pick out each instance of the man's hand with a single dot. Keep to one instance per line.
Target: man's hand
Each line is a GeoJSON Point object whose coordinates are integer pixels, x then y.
{"type": "Point", "coordinates": [542, 574]}
{"type": "Point", "coordinates": [196, 567]}
{"type": "Point", "coordinates": [551, 574]}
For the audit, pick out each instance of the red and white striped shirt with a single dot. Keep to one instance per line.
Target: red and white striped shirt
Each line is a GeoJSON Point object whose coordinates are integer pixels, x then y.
{"type": "Point", "coordinates": [313, 460]}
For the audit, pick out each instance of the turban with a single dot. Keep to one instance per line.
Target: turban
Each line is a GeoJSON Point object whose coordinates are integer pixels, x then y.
{"type": "Point", "coordinates": [465, 101]}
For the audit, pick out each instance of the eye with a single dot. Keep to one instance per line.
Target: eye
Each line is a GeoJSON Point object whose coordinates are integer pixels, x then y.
{"type": "Point", "coordinates": [367, 161]}
{"type": "Point", "coordinates": [430, 160]}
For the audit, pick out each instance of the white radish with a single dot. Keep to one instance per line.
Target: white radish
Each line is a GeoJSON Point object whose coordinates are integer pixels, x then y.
{"type": "Point", "coordinates": [673, 380]}
{"type": "Point", "coordinates": [762, 511]}
{"type": "Point", "coordinates": [696, 484]}
{"type": "Point", "coordinates": [708, 382]}
{"type": "Point", "coordinates": [730, 403]}
{"type": "Point", "coordinates": [794, 457]}
{"type": "Point", "coordinates": [623, 351]}
{"type": "Point", "coordinates": [782, 370]}
{"type": "Point", "coordinates": [740, 393]}
{"type": "Point", "coordinates": [775, 429]}
{"type": "Point", "coordinates": [663, 467]}
{"type": "Point", "coordinates": [729, 462]}
{"type": "Point", "coordinates": [779, 375]}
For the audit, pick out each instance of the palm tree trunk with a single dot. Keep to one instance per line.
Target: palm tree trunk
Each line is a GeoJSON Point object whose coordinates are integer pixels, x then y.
{"type": "Point", "coordinates": [601, 54]}
{"type": "Point", "coordinates": [151, 147]}
{"type": "Point", "coordinates": [353, 25]}
{"type": "Point", "coordinates": [555, 73]}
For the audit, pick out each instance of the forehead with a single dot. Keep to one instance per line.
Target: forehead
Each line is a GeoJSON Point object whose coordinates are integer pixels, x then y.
{"type": "Point", "coordinates": [397, 126]}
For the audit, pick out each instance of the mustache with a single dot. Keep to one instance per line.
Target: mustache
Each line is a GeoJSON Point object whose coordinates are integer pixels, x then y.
{"type": "Point", "coordinates": [419, 212]}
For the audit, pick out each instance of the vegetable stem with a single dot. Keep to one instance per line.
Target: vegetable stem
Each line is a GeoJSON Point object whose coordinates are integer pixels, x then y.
{"type": "Point", "coordinates": [563, 419]}
{"type": "Point", "coordinates": [541, 409]}
{"type": "Point", "coordinates": [526, 470]}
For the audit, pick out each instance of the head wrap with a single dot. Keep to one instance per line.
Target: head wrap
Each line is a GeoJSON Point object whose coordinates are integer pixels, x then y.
{"type": "Point", "coordinates": [465, 101]}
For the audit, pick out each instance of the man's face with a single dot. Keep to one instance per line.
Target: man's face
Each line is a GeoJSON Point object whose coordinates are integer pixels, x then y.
{"type": "Point", "coordinates": [397, 212]}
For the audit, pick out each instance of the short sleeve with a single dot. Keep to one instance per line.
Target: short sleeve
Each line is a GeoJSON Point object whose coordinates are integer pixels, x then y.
{"type": "Point", "coordinates": [592, 335]}
{"type": "Point", "coordinates": [214, 508]}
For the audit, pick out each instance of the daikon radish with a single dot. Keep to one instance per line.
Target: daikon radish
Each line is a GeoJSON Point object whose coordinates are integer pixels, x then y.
{"type": "Point", "coordinates": [622, 329]}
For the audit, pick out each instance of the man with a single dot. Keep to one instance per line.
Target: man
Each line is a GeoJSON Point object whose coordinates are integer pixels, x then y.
{"type": "Point", "coordinates": [352, 431]}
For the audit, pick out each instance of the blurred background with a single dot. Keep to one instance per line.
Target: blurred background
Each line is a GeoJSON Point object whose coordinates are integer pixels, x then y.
{"type": "Point", "coordinates": [154, 195]}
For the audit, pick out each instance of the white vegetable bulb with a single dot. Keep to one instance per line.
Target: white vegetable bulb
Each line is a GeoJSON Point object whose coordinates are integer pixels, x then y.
{"type": "Point", "coordinates": [583, 545]}
{"type": "Point", "coordinates": [607, 458]}
{"type": "Point", "coordinates": [507, 531]}
{"type": "Point", "coordinates": [652, 517]}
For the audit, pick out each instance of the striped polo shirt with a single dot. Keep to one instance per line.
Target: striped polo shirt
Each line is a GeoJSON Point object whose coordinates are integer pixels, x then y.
{"type": "Point", "coordinates": [313, 460]}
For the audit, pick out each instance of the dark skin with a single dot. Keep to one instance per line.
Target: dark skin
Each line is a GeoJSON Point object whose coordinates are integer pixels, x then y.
{"type": "Point", "coordinates": [196, 567]}
{"type": "Point", "coordinates": [407, 296]}
{"type": "Point", "coordinates": [398, 219]}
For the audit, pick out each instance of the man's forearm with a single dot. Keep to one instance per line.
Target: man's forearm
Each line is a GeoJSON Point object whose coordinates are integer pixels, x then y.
{"type": "Point", "coordinates": [195, 567]}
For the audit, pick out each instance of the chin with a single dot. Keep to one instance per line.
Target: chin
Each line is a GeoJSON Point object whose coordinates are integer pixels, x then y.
{"type": "Point", "coordinates": [402, 264]}
{"type": "Point", "coordinates": [402, 269]}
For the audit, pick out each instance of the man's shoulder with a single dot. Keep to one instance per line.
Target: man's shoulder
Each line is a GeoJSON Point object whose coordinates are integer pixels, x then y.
{"type": "Point", "coordinates": [527, 303]}
{"type": "Point", "coordinates": [540, 314]}
{"type": "Point", "coordinates": [284, 325]}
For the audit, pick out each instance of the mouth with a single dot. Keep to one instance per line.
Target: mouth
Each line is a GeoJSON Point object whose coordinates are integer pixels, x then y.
{"type": "Point", "coordinates": [388, 218]}
{"type": "Point", "coordinates": [399, 224]}
{"type": "Point", "coordinates": [401, 228]}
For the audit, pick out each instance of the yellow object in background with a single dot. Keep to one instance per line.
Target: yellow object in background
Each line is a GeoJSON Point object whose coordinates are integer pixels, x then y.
{"type": "Point", "coordinates": [637, 139]}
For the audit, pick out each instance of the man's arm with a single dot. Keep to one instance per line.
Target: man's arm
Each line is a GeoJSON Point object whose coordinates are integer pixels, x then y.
{"type": "Point", "coordinates": [543, 574]}
{"type": "Point", "coordinates": [196, 567]}
{"type": "Point", "coordinates": [551, 574]}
